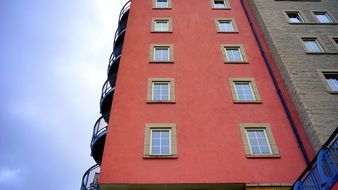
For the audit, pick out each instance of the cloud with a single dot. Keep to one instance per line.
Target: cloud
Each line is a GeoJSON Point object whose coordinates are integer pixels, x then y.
{"type": "Point", "coordinates": [9, 176]}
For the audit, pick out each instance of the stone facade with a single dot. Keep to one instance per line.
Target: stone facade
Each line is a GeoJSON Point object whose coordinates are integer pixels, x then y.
{"type": "Point", "coordinates": [317, 107]}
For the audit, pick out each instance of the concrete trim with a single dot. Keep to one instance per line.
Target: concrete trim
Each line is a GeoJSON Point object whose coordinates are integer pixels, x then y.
{"type": "Point", "coordinates": [232, 20]}
{"type": "Point", "coordinates": [271, 140]}
{"type": "Point", "coordinates": [173, 139]}
{"type": "Point", "coordinates": [152, 49]}
{"type": "Point", "coordinates": [334, 20]}
{"type": "Point", "coordinates": [318, 39]}
{"type": "Point", "coordinates": [299, 12]}
{"type": "Point", "coordinates": [333, 41]}
{"type": "Point", "coordinates": [258, 99]}
{"type": "Point", "coordinates": [241, 49]}
{"type": "Point", "coordinates": [169, 20]}
{"type": "Point", "coordinates": [171, 81]}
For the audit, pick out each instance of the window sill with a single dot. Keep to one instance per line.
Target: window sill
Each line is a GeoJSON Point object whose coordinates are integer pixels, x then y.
{"type": "Point", "coordinates": [173, 156]}
{"type": "Point", "coordinates": [263, 156]}
{"type": "Point", "coordinates": [333, 92]}
{"type": "Point", "coordinates": [160, 102]}
{"type": "Point", "coordinates": [161, 62]}
{"type": "Point", "coordinates": [236, 62]}
{"type": "Point", "coordinates": [157, 8]}
{"type": "Point", "coordinates": [228, 8]}
{"type": "Point", "coordinates": [161, 31]}
{"type": "Point", "coordinates": [248, 102]}
{"type": "Point", "coordinates": [234, 32]}
{"type": "Point", "coordinates": [311, 23]}
{"type": "Point", "coordinates": [321, 53]}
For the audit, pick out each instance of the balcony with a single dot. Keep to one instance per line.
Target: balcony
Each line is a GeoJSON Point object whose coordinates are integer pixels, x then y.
{"type": "Point", "coordinates": [114, 59]}
{"type": "Point", "coordinates": [90, 179]}
{"type": "Point", "coordinates": [322, 172]}
{"type": "Point", "coordinates": [107, 97]}
{"type": "Point", "coordinates": [98, 139]}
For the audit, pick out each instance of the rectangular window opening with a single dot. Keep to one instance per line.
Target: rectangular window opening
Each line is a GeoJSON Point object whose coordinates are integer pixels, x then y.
{"type": "Point", "coordinates": [161, 91]}
{"type": "Point", "coordinates": [258, 142]}
{"type": "Point", "coordinates": [161, 54]}
{"type": "Point", "coordinates": [162, 4]}
{"type": "Point", "coordinates": [294, 17]}
{"type": "Point", "coordinates": [219, 4]}
{"type": "Point", "coordinates": [244, 91]}
{"type": "Point", "coordinates": [160, 142]}
{"type": "Point", "coordinates": [332, 81]}
{"type": "Point", "coordinates": [233, 54]}
{"type": "Point", "coordinates": [161, 25]}
{"type": "Point", "coordinates": [323, 17]}
{"type": "Point", "coordinates": [225, 26]}
{"type": "Point", "coordinates": [312, 45]}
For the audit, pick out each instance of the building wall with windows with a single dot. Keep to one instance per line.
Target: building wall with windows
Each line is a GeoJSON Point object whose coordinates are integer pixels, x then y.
{"type": "Point", "coordinates": [302, 36]}
{"type": "Point", "coordinates": [194, 105]}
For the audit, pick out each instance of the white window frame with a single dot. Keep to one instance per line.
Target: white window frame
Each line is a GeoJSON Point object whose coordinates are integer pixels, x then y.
{"type": "Point", "coordinates": [317, 43]}
{"type": "Point", "coordinates": [224, 3]}
{"type": "Point", "coordinates": [161, 21]}
{"type": "Point", "coordinates": [234, 48]}
{"type": "Point", "coordinates": [153, 89]}
{"type": "Point", "coordinates": [266, 140]}
{"type": "Point", "coordinates": [161, 47]}
{"type": "Point", "coordinates": [326, 15]}
{"type": "Point", "coordinates": [156, 4]}
{"type": "Point", "coordinates": [151, 141]}
{"type": "Point", "coordinates": [225, 21]}
{"type": "Point", "coordinates": [251, 90]}
{"type": "Point", "coordinates": [298, 14]}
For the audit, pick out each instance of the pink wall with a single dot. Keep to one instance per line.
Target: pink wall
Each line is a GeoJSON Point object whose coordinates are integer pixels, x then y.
{"type": "Point", "coordinates": [210, 146]}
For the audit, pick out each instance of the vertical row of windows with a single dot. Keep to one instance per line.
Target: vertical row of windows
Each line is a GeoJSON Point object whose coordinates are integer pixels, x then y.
{"type": "Point", "coordinates": [160, 139]}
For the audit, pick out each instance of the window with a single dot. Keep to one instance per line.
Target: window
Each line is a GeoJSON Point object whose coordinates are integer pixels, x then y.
{"type": "Point", "coordinates": [258, 140]}
{"type": "Point", "coordinates": [323, 17]}
{"type": "Point", "coordinates": [312, 45]}
{"type": "Point", "coordinates": [219, 4]}
{"type": "Point", "coordinates": [160, 141]}
{"type": "Point", "coordinates": [161, 25]}
{"type": "Point", "coordinates": [162, 4]}
{"type": "Point", "coordinates": [294, 17]}
{"type": "Point", "coordinates": [244, 90]}
{"type": "Point", "coordinates": [330, 79]}
{"type": "Point", "coordinates": [225, 26]}
{"type": "Point", "coordinates": [234, 54]}
{"type": "Point", "coordinates": [161, 90]}
{"type": "Point", "coordinates": [161, 53]}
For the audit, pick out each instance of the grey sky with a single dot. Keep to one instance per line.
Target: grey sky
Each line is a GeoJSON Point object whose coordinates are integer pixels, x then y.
{"type": "Point", "coordinates": [53, 61]}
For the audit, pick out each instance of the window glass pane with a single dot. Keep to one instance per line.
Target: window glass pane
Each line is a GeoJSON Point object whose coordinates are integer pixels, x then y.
{"type": "Point", "coordinates": [162, 4]}
{"type": "Point", "coordinates": [258, 141]}
{"type": "Point", "coordinates": [161, 91]}
{"type": "Point", "coordinates": [219, 4]}
{"type": "Point", "coordinates": [323, 18]}
{"type": "Point", "coordinates": [312, 45]}
{"type": "Point", "coordinates": [161, 54]}
{"type": "Point", "coordinates": [294, 18]}
{"type": "Point", "coordinates": [244, 91]}
{"type": "Point", "coordinates": [233, 54]}
{"type": "Point", "coordinates": [332, 80]}
{"type": "Point", "coordinates": [160, 142]}
{"type": "Point", "coordinates": [225, 26]}
{"type": "Point", "coordinates": [161, 26]}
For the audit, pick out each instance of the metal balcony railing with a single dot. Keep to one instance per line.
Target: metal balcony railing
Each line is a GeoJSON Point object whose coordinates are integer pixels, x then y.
{"type": "Point", "coordinates": [90, 179]}
{"type": "Point", "coordinates": [322, 172]}
{"type": "Point", "coordinates": [107, 97]}
{"type": "Point", "coordinates": [98, 139]}
{"type": "Point", "coordinates": [118, 38]}
{"type": "Point", "coordinates": [99, 129]}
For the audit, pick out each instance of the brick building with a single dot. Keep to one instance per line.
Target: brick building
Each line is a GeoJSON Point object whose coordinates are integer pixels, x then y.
{"type": "Point", "coordinates": [303, 39]}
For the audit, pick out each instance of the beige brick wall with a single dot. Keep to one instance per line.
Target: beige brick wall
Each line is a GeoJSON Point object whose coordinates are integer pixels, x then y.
{"type": "Point", "coordinates": [317, 108]}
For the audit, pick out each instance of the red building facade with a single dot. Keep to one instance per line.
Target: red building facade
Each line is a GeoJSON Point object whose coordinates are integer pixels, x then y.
{"type": "Point", "coordinates": [194, 105]}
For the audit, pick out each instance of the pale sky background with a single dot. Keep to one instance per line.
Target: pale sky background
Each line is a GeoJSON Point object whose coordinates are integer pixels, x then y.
{"type": "Point", "coordinates": [53, 61]}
